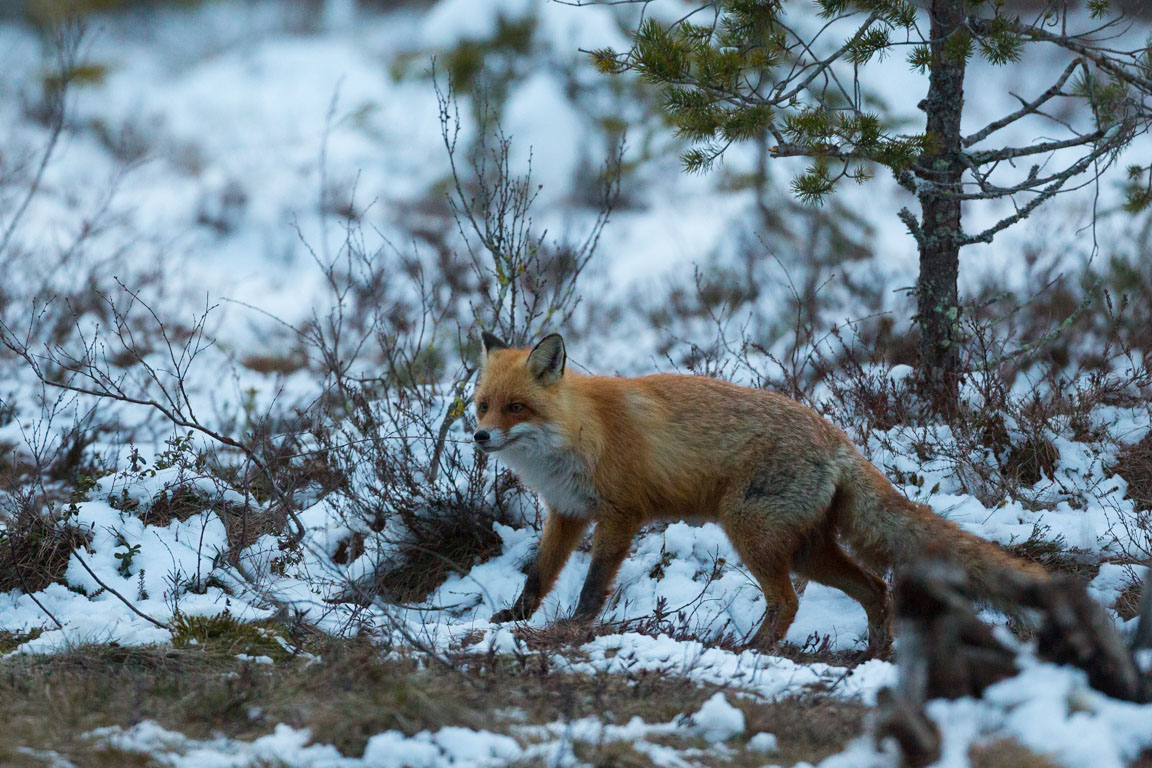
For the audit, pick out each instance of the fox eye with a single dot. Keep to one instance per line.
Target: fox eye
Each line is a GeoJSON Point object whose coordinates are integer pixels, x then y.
{"type": "Point", "coordinates": [482, 407]}
{"type": "Point", "coordinates": [516, 407]}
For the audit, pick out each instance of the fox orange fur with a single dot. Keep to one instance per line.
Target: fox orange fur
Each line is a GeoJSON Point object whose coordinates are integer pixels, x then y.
{"type": "Point", "coordinates": [789, 488]}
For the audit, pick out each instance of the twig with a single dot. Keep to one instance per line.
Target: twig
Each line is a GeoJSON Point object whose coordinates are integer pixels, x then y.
{"type": "Point", "coordinates": [121, 597]}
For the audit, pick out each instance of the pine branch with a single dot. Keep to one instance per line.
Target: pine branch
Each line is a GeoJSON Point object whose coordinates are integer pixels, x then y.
{"type": "Point", "coordinates": [821, 65]}
{"type": "Point", "coordinates": [791, 149]}
{"type": "Point", "coordinates": [1077, 44]}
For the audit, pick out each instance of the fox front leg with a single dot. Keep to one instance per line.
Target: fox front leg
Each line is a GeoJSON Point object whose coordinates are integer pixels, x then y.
{"type": "Point", "coordinates": [610, 545]}
{"type": "Point", "coordinates": [560, 537]}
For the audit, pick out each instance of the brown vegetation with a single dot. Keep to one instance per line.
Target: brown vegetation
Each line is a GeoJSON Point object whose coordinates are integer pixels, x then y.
{"type": "Point", "coordinates": [355, 691]}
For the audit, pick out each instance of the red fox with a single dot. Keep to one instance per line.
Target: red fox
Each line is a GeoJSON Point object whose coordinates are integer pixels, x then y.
{"type": "Point", "coordinates": [788, 487]}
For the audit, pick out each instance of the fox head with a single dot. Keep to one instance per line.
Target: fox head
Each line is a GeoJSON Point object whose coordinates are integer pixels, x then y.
{"type": "Point", "coordinates": [517, 396]}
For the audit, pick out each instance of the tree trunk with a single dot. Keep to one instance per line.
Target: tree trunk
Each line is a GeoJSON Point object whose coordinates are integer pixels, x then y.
{"type": "Point", "coordinates": [940, 172]}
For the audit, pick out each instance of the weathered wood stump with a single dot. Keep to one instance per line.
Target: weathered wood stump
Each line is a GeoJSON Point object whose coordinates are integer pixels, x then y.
{"type": "Point", "coordinates": [946, 651]}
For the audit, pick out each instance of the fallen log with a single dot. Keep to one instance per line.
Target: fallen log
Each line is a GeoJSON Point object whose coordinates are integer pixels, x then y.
{"type": "Point", "coordinates": [946, 651]}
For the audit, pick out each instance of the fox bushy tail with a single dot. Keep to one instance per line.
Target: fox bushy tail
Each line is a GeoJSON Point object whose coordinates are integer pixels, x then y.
{"type": "Point", "coordinates": [887, 530]}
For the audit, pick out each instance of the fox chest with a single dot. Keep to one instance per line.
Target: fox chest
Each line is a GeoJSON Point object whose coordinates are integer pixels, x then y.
{"type": "Point", "coordinates": [559, 476]}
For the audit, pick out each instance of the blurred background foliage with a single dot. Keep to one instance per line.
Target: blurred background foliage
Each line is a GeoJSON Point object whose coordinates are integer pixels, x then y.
{"type": "Point", "coordinates": [44, 13]}
{"type": "Point", "coordinates": [48, 12]}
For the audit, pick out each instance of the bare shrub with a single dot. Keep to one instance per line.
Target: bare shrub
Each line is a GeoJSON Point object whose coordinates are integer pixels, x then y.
{"type": "Point", "coordinates": [38, 534]}
{"type": "Point", "coordinates": [35, 546]}
{"type": "Point", "coordinates": [396, 349]}
{"type": "Point", "coordinates": [381, 442]}
{"type": "Point", "coordinates": [1134, 464]}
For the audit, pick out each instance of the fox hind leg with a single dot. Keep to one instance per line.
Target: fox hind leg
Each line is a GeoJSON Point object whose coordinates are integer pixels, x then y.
{"type": "Point", "coordinates": [828, 563]}
{"type": "Point", "coordinates": [770, 519]}
{"type": "Point", "coordinates": [768, 556]}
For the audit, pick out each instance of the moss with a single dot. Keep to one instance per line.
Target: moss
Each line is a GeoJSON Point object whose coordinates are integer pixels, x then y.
{"type": "Point", "coordinates": [225, 635]}
{"type": "Point", "coordinates": [48, 13]}
{"type": "Point", "coordinates": [10, 641]}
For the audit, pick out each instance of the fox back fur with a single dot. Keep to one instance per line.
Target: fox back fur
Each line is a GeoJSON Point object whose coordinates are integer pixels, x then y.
{"type": "Point", "coordinates": [789, 488]}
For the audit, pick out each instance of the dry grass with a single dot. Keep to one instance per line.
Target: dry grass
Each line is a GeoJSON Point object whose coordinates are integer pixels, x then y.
{"type": "Point", "coordinates": [35, 548]}
{"type": "Point", "coordinates": [1055, 557]}
{"type": "Point", "coordinates": [1031, 460]}
{"type": "Point", "coordinates": [1006, 753]}
{"type": "Point", "coordinates": [353, 692]}
{"type": "Point", "coordinates": [808, 728]}
{"type": "Point", "coordinates": [178, 503]}
{"type": "Point", "coordinates": [449, 537]}
{"type": "Point", "coordinates": [245, 525]}
{"type": "Point", "coordinates": [1127, 604]}
{"type": "Point", "coordinates": [1134, 464]}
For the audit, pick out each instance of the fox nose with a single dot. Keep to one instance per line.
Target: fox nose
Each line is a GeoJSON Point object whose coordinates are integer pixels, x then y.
{"type": "Point", "coordinates": [481, 436]}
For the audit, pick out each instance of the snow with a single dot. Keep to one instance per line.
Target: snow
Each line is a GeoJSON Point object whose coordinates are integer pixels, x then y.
{"type": "Point", "coordinates": [538, 109]}
{"type": "Point", "coordinates": [763, 675]}
{"type": "Point", "coordinates": [453, 746]}
{"type": "Point", "coordinates": [763, 742]}
{"type": "Point", "coordinates": [448, 746]}
{"type": "Point", "coordinates": [717, 720]}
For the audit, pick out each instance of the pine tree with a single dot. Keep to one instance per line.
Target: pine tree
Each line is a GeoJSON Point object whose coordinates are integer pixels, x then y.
{"type": "Point", "coordinates": [735, 70]}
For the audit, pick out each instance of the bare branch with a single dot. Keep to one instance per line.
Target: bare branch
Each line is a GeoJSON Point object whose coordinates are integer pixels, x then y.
{"type": "Point", "coordinates": [1044, 195]}
{"type": "Point", "coordinates": [1027, 109]}
{"type": "Point", "coordinates": [1011, 153]}
{"type": "Point", "coordinates": [104, 386]}
{"type": "Point", "coordinates": [68, 43]}
{"type": "Point", "coordinates": [116, 594]}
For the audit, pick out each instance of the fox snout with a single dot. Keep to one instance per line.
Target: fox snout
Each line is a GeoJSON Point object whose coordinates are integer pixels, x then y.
{"type": "Point", "coordinates": [491, 438]}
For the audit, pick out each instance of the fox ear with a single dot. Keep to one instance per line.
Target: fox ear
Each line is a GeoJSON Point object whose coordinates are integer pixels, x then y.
{"type": "Point", "coordinates": [490, 343]}
{"type": "Point", "coordinates": [546, 360]}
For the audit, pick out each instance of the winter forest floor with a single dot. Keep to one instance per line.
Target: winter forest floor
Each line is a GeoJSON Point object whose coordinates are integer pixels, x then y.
{"type": "Point", "coordinates": [241, 521]}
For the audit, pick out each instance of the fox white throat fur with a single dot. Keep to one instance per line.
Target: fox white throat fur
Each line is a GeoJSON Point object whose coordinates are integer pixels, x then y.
{"type": "Point", "coordinates": [540, 456]}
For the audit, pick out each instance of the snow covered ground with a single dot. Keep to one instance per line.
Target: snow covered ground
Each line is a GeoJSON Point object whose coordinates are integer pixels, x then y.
{"type": "Point", "coordinates": [212, 147]}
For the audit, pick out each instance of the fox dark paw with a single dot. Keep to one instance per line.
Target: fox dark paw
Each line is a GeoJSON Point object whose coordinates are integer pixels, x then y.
{"type": "Point", "coordinates": [759, 646]}
{"type": "Point", "coordinates": [502, 617]}
{"type": "Point", "coordinates": [878, 650]}
{"type": "Point", "coordinates": [762, 642]}
{"type": "Point", "coordinates": [579, 628]}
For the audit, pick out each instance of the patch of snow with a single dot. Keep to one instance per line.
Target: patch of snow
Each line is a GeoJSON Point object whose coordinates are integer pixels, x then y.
{"type": "Point", "coordinates": [717, 720]}
{"type": "Point", "coordinates": [764, 742]}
